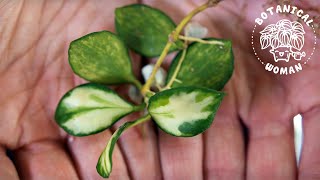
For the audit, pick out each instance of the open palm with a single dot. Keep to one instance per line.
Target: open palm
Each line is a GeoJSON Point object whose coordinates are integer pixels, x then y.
{"type": "Point", "coordinates": [34, 74]}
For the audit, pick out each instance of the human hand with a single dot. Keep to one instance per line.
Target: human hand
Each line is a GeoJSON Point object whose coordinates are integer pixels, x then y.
{"type": "Point", "coordinates": [257, 101]}
{"type": "Point", "coordinates": [35, 74]}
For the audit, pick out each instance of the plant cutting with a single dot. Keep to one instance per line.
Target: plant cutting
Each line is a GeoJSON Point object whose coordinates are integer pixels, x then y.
{"type": "Point", "coordinates": [184, 106]}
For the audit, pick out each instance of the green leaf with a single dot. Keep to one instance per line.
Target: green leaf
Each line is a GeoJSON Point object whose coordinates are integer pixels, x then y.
{"type": "Point", "coordinates": [91, 108]}
{"type": "Point", "coordinates": [104, 165]}
{"type": "Point", "coordinates": [101, 57]}
{"type": "Point", "coordinates": [184, 111]}
{"type": "Point", "coordinates": [145, 29]}
{"type": "Point", "coordinates": [205, 65]}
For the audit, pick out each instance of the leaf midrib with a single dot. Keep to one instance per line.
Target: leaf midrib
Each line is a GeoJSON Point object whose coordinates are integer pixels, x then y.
{"type": "Point", "coordinates": [84, 110]}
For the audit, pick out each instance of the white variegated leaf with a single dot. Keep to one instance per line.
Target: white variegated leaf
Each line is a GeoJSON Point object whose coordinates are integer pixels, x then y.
{"type": "Point", "coordinates": [90, 108]}
{"type": "Point", "coordinates": [184, 111]}
{"type": "Point", "coordinates": [104, 165]}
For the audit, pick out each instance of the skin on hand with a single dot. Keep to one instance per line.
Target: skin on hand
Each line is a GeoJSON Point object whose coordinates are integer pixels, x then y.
{"type": "Point", "coordinates": [34, 74]}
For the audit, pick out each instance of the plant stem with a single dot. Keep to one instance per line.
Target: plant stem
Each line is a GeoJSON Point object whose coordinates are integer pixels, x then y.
{"type": "Point", "coordinates": [172, 39]}
{"type": "Point", "coordinates": [176, 71]}
{"type": "Point", "coordinates": [137, 83]}
{"type": "Point", "coordinates": [149, 94]}
{"type": "Point", "coordinates": [140, 107]}
{"type": "Point", "coordinates": [138, 121]}
{"type": "Point", "coordinates": [193, 39]}
{"type": "Point", "coordinates": [186, 20]}
{"type": "Point", "coordinates": [164, 53]}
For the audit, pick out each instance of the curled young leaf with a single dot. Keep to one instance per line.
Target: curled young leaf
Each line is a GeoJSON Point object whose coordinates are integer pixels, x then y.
{"type": "Point", "coordinates": [101, 57]}
{"type": "Point", "coordinates": [104, 165]}
{"type": "Point", "coordinates": [91, 108]}
{"type": "Point", "coordinates": [205, 65]}
{"type": "Point", "coordinates": [145, 29]}
{"type": "Point", "coordinates": [184, 111]}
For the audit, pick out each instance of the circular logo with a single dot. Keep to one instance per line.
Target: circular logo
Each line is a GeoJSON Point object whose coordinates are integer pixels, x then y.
{"type": "Point", "coordinates": [279, 39]}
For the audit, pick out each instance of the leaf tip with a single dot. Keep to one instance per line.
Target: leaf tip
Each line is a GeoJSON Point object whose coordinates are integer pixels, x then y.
{"type": "Point", "coordinates": [220, 95]}
{"type": "Point", "coordinates": [228, 42]}
{"type": "Point", "coordinates": [102, 169]}
{"type": "Point", "coordinates": [102, 173]}
{"type": "Point", "coordinates": [117, 11]}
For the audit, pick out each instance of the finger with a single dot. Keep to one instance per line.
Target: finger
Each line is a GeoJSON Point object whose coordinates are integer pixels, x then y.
{"type": "Point", "coordinates": [224, 154]}
{"type": "Point", "coordinates": [139, 147]}
{"type": "Point", "coordinates": [43, 159]}
{"type": "Point", "coordinates": [181, 158]}
{"type": "Point", "coordinates": [309, 167]}
{"type": "Point", "coordinates": [86, 151]}
{"type": "Point", "coordinates": [271, 151]}
{"type": "Point", "coordinates": [7, 170]}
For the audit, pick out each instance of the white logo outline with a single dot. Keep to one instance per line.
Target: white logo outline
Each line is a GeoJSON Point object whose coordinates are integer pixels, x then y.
{"type": "Point", "coordinates": [285, 38]}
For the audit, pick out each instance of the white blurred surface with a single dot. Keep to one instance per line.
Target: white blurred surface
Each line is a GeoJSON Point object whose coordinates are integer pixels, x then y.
{"type": "Point", "coordinates": [298, 135]}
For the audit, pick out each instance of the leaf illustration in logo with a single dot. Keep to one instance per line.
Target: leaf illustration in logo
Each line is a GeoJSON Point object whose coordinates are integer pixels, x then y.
{"type": "Point", "coordinates": [284, 24]}
{"type": "Point", "coordinates": [297, 41]}
{"type": "Point", "coordinates": [297, 27]}
{"type": "Point", "coordinates": [264, 41]}
{"type": "Point", "coordinates": [275, 43]}
{"type": "Point", "coordinates": [270, 29]}
{"type": "Point", "coordinates": [284, 37]}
